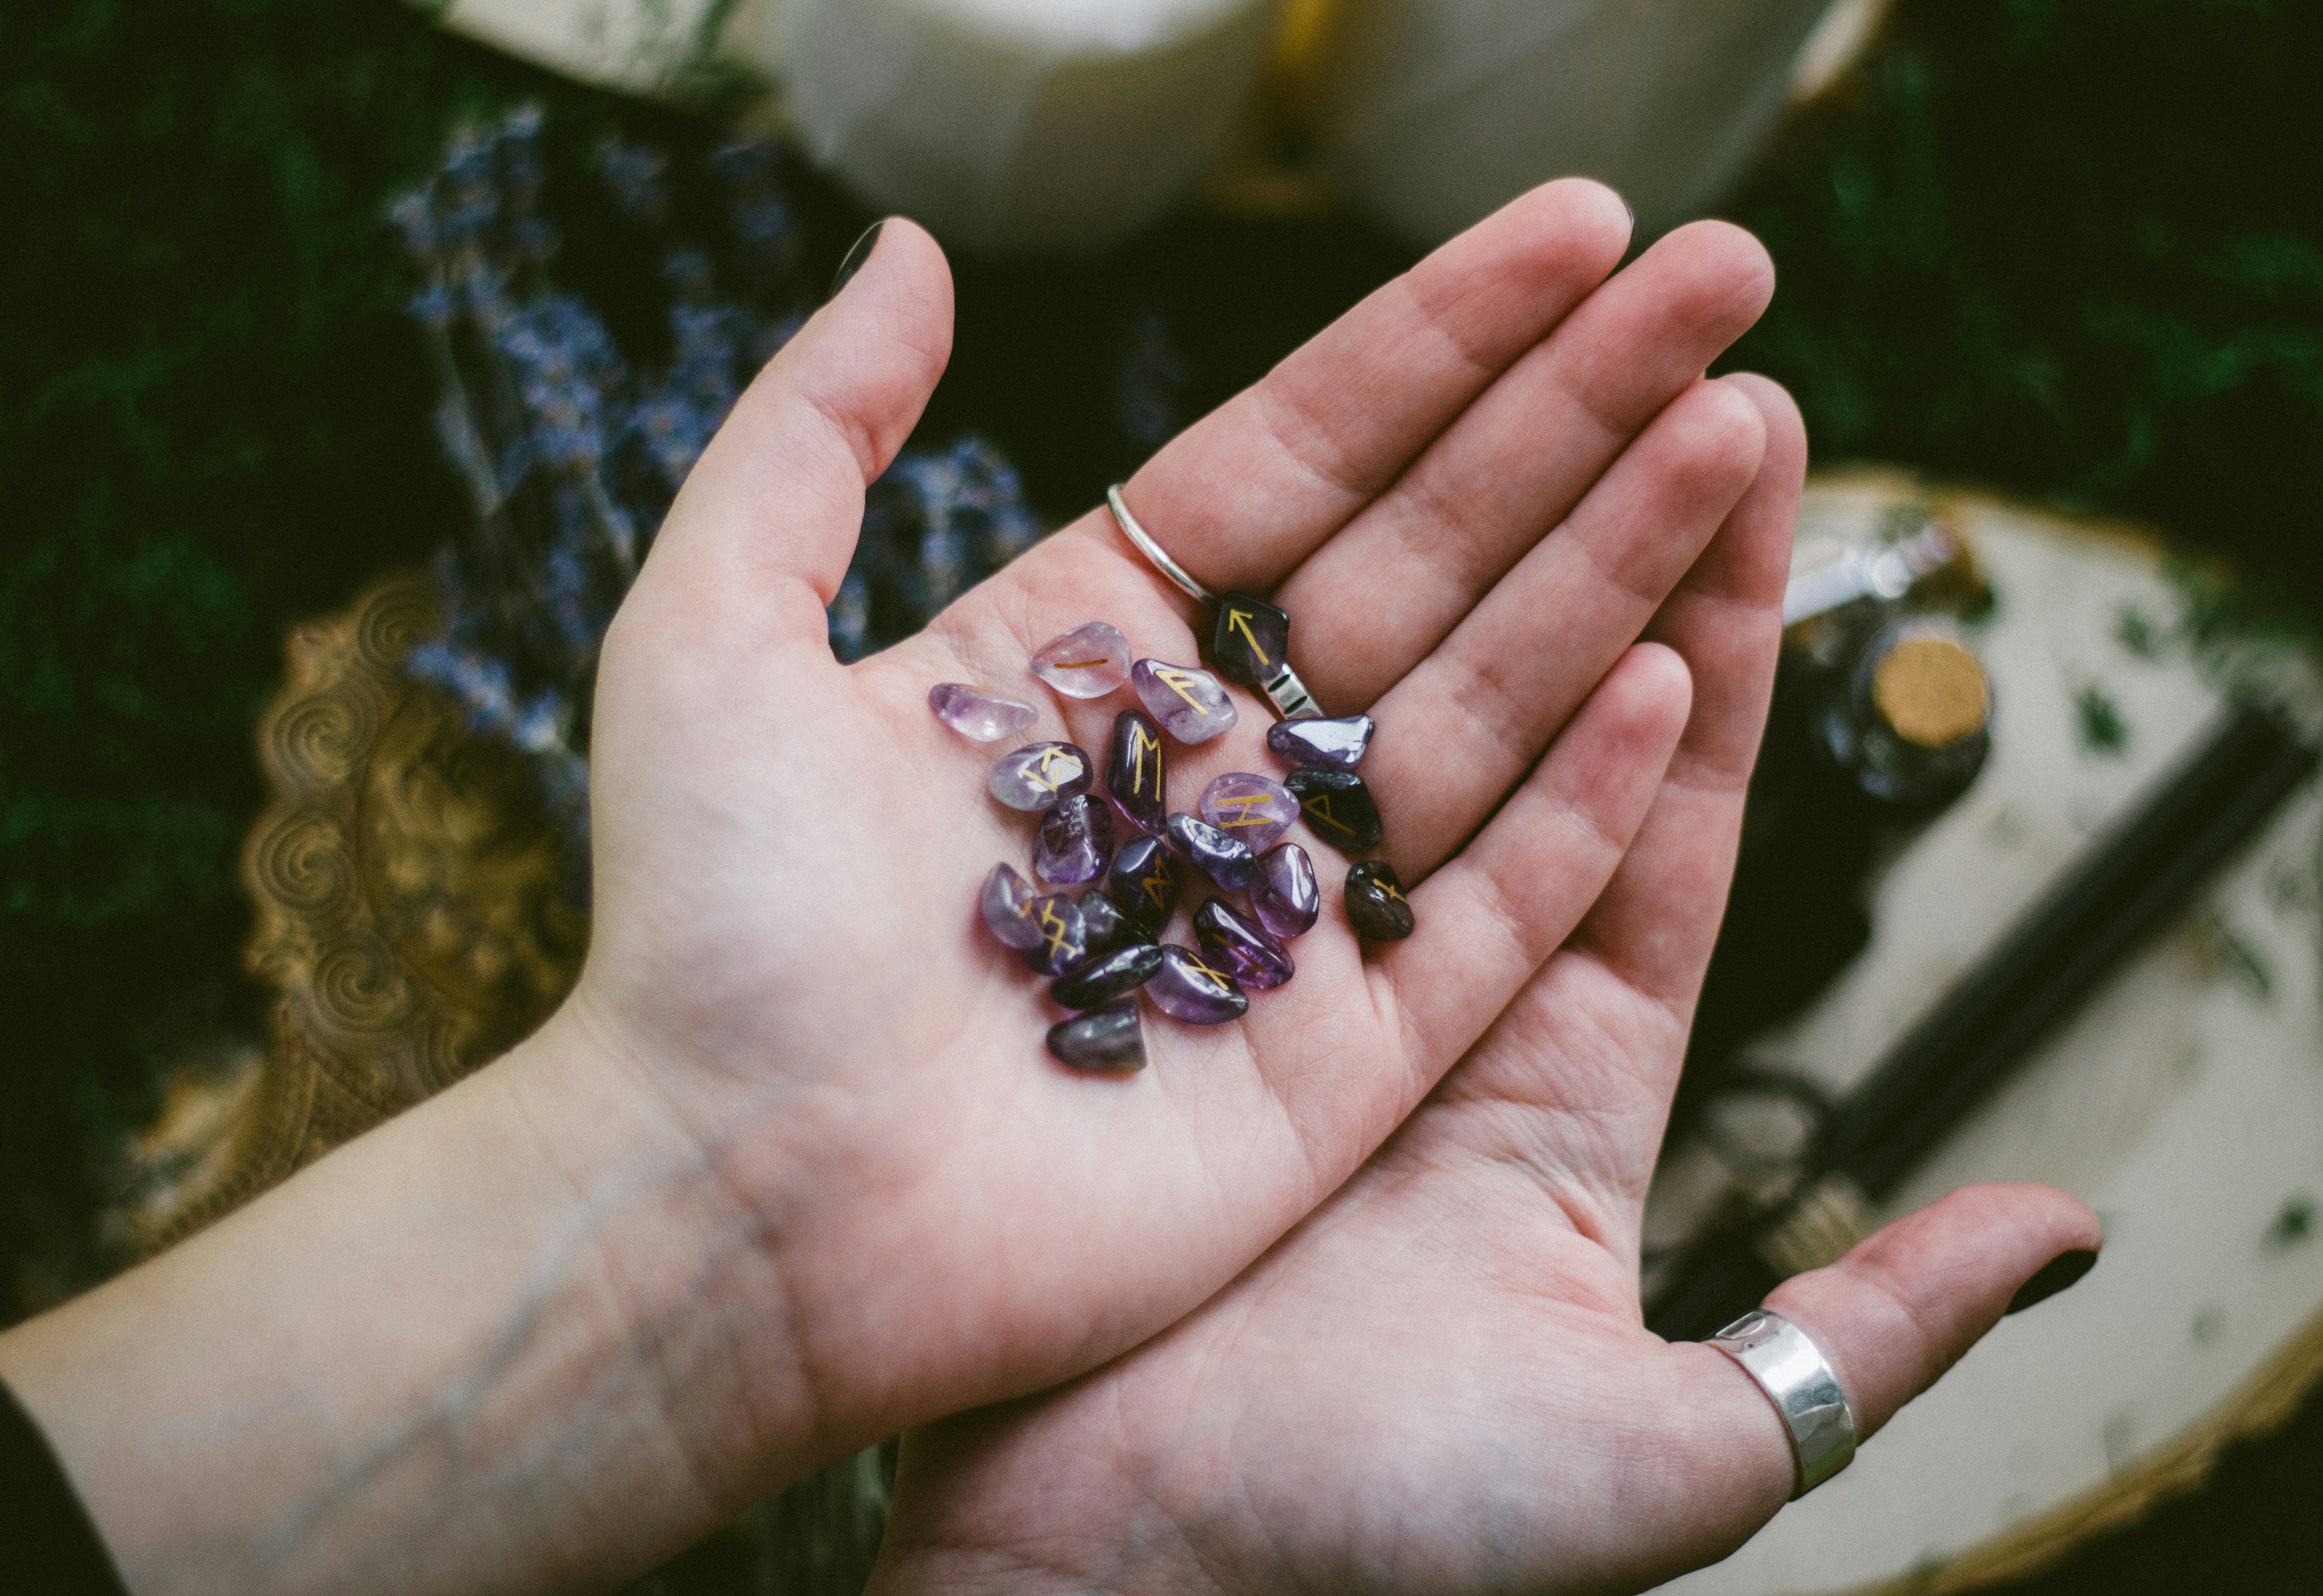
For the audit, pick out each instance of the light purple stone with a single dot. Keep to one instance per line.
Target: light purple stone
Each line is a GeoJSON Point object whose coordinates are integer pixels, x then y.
{"type": "Point", "coordinates": [1088, 662]}
{"type": "Point", "coordinates": [1190, 704]}
{"type": "Point", "coordinates": [1039, 773]}
{"type": "Point", "coordinates": [1185, 988]}
{"type": "Point", "coordinates": [1285, 897]}
{"type": "Point", "coordinates": [1251, 809]}
{"type": "Point", "coordinates": [979, 716]}
{"type": "Point", "coordinates": [1076, 841]}
{"type": "Point", "coordinates": [1007, 905]}
{"type": "Point", "coordinates": [1235, 943]}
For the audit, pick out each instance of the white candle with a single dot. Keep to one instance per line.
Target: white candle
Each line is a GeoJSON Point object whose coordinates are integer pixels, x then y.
{"type": "Point", "coordinates": [1020, 125]}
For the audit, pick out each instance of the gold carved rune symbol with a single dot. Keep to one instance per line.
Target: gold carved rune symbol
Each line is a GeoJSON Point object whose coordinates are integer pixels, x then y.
{"type": "Point", "coordinates": [1142, 743]}
{"type": "Point", "coordinates": [1177, 681]}
{"type": "Point", "coordinates": [1242, 808]}
{"type": "Point", "coordinates": [1195, 966]}
{"type": "Point", "coordinates": [1390, 888]}
{"type": "Point", "coordinates": [1043, 772]}
{"type": "Point", "coordinates": [1076, 665]}
{"type": "Point", "coordinates": [1318, 808]}
{"type": "Point", "coordinates": [1053, 929]}
{"type": "Point", "coordinates": [1154, 881]}
{"type": "Point", "coordinates": [1238, 621]}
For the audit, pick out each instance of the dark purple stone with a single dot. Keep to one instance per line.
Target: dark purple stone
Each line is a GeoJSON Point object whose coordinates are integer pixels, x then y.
{"type": "Point", "coordinates": [1225, 859]}
{"type": "Point", "coordinates": [1064, 937]}
{"type": "Point", "coordinates": [1339, 808]}
{"type": "Point", "coordinates": [1112, 1039]}
{"type": "Point", "coordinates": [1100, 980]}
{"type": "Point", "coordinates": [1252, 640]}
{"type": "Point", "coordinates": [1240, 946]}
{"type": "Point", "coordinates": [1006, 903]}
{"type": "Point", "coordinates": [1106, 927]}
{"type": "Point", "coordinates": [1135, 778]}
{"type": "Point", "coordinates": [1326, 745]}
{"type": "Point", "coordinates": [1185, 988]}
{"type": "Point", "coordinates": [1076, 841]}
{"type": "Point", "coordinates": [1285, 897]}
{"type": "Point", "coordinates": [1036, 776]}
{"type": "Point", "coordinates": [1376, 906]}
{"type": "Point", "coordinates": [1144, 883]}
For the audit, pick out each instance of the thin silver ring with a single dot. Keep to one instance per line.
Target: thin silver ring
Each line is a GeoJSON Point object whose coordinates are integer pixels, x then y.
{"type": "Point", "coordinates": [1152, 550]}
{"type": "Point", "coordinates": [1798, 1380]}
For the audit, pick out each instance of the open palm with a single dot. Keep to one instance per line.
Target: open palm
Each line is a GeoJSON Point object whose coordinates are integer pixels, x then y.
{"type": "Point", "coordinates": [1473, 493]}
{"type": "Point", "coordinates": [1440, 1381]}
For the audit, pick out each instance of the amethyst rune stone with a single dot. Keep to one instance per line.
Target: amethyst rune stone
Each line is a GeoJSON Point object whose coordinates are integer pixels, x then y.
{"type": "Point", "coordinates": [1076, 841]}
{"type": "Point", "coordinates": [1251, 641]}
{"type": "Point", "coordinates": [1144, 882]}
{"type": "Point", "coordinates": [1111, 1038]}
{"type": "Point", "coordinates": [1039, 773]}
{"type": "Point", "coordinates": [1185, 988]}
{"type": "Point", "coordinates": [1102, 979]}
{"type": "Point", "coordinates": [1223, 858]}
{"type": "Point", "coordinates": [1251, 809]}
{"type": "Point", "coordinates": [1241, 947]}
{"type": "Point", "coordinates": [1088, 662]}
{"type": "Point", "coordinates": [1135, 778]}
{"type": "Point", "coordinates": [1338, 806]}
{"type": "Point", "coordinates": [1064, 937]}
{"type": "Point", "coordinates": [1376, 906]}
{"type": "Point", "coordinates": [1327, 744]}
{"type": "Point", "coordinates": [1285, 897]}
{"type": "Point", "coordinates": [1190, 704]}
{"type": "Point", "coordinates": [1106, 927]}
{"type": "Point", "coordinates": [1007, 904]}
{"type": "Point", "coordinates": [979, 716]}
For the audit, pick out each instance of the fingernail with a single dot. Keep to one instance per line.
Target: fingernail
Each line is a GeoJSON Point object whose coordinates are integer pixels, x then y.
{"type": "Point", "coordinates": [2055, 1276]}
{"type": "Point", "coordinates": [861, 252]}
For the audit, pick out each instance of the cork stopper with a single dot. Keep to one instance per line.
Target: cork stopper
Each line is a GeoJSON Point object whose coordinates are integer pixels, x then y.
{"type": "Point", "coordinates": [1932, 690]}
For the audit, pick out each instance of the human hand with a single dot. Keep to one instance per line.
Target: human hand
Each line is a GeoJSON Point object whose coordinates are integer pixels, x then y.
{"type": "Point", "coordinates": [1440, 1380]}
{"type": "Point", "coordinates": [1472, 494]}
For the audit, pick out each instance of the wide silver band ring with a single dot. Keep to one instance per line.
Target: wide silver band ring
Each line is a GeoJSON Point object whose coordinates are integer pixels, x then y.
{"type": "Point", "coordinates": [1798, 1380]}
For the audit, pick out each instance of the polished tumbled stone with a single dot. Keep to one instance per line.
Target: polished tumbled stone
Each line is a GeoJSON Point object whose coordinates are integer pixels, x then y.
{"type": "Point", "coordinates": [1064, 937]}
{"type": "Point", "coordinates": [1240, 946]}
{"type": "Point", "coordinates": [979, 716]}
{"type": "Point", "coordinates": [1285, 897]}
{"type": "Point", "coordinates": [1136, 774]}
{"type": "Point", "coordinates": [1110, 1038]}
{"type": "Point", "coordinates": [1185, 988]}
{"type": "Point", "coordinates": [1251, 641]}
{"type": "Point", "coordinates": [1376, 906]}
{"type": "Point", "coordinates": [1253, 809]}
{"type": "Point", "coordinates": [1100, 980]}
{"type": "Point", "coordinates": [1076, 841]}
{"type": "Point", "coordinates": [1037, 775]}
{"type": "Point", "coordinates": [1339, 808]}
{"type": "Point", "coordinates": [1007, 904]}
{"type": "Point", "coordinates": [1190, 704]}
{"type": "Point", "coordinates": [1144, 882]}
{"type": "Point", "coordinates": [1221, 857]}
{"type": "Point", "coordinates": [1326, 745]}
{"type": "Point", "coordinates": [1104, 926]}
{"type": "Point", "coordinates": [1088, 662]}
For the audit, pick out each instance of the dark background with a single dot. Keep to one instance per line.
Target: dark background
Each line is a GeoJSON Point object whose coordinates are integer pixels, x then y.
{"type": "Point", "coordinates": [2071, 249]}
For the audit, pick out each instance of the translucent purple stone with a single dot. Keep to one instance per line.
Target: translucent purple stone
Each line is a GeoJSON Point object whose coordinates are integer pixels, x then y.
{"type": "Point", "coordinates": [1252, 640]}
{"type": "Point", "coordinates": [1223, 858]}
{"type": "Point", "coordinates": [979, 716]}
{"type": "Point", "coordinates": [1064, 936]}
{"type": "Point", "coordinates": [1088, 662]}
{"type": "Point", "coordinates": [1339, 808]}
{"type": "Point", "coordinates": [1101, 979]}
{"type": "Point", "coordinates": [1191, 704]}
{"type": "Point", "coordinates": [1110, 1038]}
{"type": "Point", "coordinates": [1039, 773]}
{"type": "Point", "coordinates": [1107, 927]}
{"type": "Point", "coordinates": [1136, 777]}
{"type": "Point", "coordinates": [1185, 988]}
{"type": "Point", "coordinates": [1006, 903]}
{"type": "Point", "coordinates": [1285, 897]}
{"type": "Point", "coordinates": [1144, 883]}
{"type": "Point", "coordinates": [1326, 745]}
{"type": "Point", "coordinates": [1251, 809]}
{"type": "Point", "coordinates": [1076, 841]}
{"type": "Point", "coordinates": [1234, 942]}
{"type": "Point", "coordinates": [1376, 906]}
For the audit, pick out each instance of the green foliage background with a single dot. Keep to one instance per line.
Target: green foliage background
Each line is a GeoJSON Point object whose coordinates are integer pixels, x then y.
{"type": "Point", "coordinates": [2073, 248]}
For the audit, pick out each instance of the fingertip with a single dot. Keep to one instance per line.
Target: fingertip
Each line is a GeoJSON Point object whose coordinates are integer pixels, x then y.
{"type": "Point", "coordinates": [1778, 414]}
{"type": "Point", "coordinates": [1729, 261]}
{"type": "Point", "coordinates": [1664, 688]}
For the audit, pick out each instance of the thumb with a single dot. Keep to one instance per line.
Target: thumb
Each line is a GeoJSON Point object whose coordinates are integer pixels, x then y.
{"type": "Point", "coordinates": [773, 508]}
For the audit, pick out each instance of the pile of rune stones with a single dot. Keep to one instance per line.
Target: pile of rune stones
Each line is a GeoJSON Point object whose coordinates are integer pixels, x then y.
{"type": "Point", "coordinates": [1102, 946]}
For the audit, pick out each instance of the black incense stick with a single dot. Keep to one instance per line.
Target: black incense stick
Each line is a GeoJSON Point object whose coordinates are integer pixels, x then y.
{"type": "Point", "coordinates": [2053, 956]}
